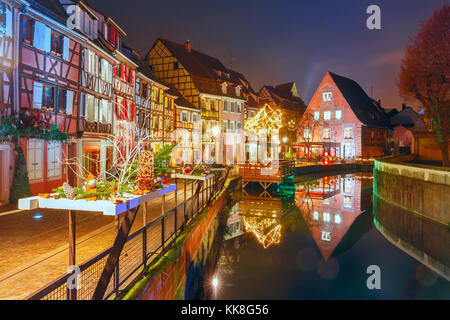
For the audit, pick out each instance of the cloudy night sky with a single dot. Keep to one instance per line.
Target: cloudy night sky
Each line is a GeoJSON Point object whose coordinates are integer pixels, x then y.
{"type": "Point", "coordinates": [273, 42]}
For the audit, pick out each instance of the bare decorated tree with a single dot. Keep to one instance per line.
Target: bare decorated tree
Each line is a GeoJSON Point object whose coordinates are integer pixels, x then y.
{"type": "Point", "coordinates": [425, 74]}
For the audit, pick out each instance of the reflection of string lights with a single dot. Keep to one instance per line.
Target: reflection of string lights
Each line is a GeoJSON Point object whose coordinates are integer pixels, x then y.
{"type": "Point", "coordinates": [266, 230]}
{"type": "Point", "coordinates": [267, 120]}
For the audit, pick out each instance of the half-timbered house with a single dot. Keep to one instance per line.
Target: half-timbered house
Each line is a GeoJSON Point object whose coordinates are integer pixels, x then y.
{"type": "Point", "coordinates": [110, 39]}
{"type": "Point", "coordinates": [188, 131]}
{"type": "Point", "coordinates": [210, 87]}
{"type": "Point", "coordinates": [94, 150]}
{"type": "Point", "coordinates": [9, 12]}
{"type": "Point", "coordinates": [286, 97]}
{"type": "Point", "coordinates": [50, 55]}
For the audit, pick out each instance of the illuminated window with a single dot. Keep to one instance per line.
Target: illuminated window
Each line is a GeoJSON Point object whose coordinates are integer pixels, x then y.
{"type": "Point", "coordinates": [47, 97]}
{"type": "Point", "coordinates": [326, 236]}
{"type": "Point", "coordinates": [56, 44]}
{"type": "Point", "coordinates": [347, 201]}
{"type": "Point", "coordinates": [348, 133]}
{"type": "Point", "coordinates": [61, 101]}
{"type": "Point", "coordinates": [307, 133]}
{"type": "Point", "coordinates": [326, 217]}
{"type": "Point", "coordinates": [338, 114]}
{"type": "Point", "coordinates": [27, 30]}
{"type": "Point", "coordinates": [327, 133]}
{"type": "Point", "coordinates": [337, 219]}
{"type": "Point", "coordinates": [316, 115]}
{"type": "Point", "coordinates": [327, 115]}
{"type": "Point", "coordinates": [316, 215]}
{"type": "Point", "coordinates": [327, 96]}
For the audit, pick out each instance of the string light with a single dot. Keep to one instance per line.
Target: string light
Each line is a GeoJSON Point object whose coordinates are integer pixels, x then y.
{"type": "Point", "coordinates": [267, 120]}
{"type": "Point", "coordinates": [266, 230]}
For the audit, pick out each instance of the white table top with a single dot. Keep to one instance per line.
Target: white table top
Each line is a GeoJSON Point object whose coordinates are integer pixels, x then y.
{"type": "Point", "coordinates": [106, 207]}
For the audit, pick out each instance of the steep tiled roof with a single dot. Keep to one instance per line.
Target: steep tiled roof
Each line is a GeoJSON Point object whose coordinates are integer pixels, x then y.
{"type": "Point", "coordinates": [204, 66]}
{"type": "Point", "coordinates": [366, 109]}
{"type": "Point", "coordinates": [284, 98]}
{"type": "Point", "coordinates": [51, 8]}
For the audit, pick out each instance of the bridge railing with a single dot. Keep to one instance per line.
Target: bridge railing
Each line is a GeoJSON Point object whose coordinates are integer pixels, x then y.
{"type": "Point", "coordinates": [141, 248]}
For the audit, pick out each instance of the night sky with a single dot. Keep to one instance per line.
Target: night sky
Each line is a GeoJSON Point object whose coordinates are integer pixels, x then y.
{"type": "Point", "coordinates": [277, 41]}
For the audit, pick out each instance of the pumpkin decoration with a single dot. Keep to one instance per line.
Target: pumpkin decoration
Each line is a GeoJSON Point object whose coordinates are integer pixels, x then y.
{"type": "Point", "coordinates": [68, 191]}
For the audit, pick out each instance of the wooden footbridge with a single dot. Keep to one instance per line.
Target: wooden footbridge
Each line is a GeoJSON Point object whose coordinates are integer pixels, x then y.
{"type": "Point", "coordinates": [266, 174]}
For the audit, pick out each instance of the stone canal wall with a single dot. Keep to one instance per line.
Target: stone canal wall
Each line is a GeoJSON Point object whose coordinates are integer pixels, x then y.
{"type": "Point", "coordinates": [424, 190]}
{"type": "Point", "coordinates": [176, 273]}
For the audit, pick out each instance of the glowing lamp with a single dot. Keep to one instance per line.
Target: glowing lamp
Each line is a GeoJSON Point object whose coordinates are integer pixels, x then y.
{"type": "Point", "coordinates": [215, 131]}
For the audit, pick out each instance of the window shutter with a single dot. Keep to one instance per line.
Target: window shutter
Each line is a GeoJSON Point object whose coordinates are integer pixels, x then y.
{"type": "Point", "coordinates": [47, 39]}
{"type": "Point", "coordinates": [133, 112]}
{"type": "Point", "coordinates": [8, 22]}
{"type": "Point", "coordinates": [39, 35]}
{"type": "Point", "coordinates": [69, 102]}
{"type": "Point", "coordinates": [37, 95]}
{"type": "Point", "coordinates": [66, 42]}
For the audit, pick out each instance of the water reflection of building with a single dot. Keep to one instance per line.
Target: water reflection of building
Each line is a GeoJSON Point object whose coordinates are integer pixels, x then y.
{"type": "Point", "coordinates": [331, 205]}
{"type": "Point", "coordinates": [259, 217]}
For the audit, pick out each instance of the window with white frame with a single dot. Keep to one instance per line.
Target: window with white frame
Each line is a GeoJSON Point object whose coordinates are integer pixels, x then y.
{"type": "Point", "coordinates": [327, 96]}
{"type": "Point", "coordinates": [316, 215]}
{"type": "Point", "coordinates": [224, 125]}
{"type": "Point", "coordinates": [338, 114]}
{"type": "Point", "coordinates": [238, 126]}
{"type": "Point", "coordinates": [225, 105]}
{"type": "Point", "coordinates": [326, 217]}
{"type": "Point", "coordinates": [326, 236]}
{"type": "Point", "coordinates": [53, 159]}
{"type": "Point", "coordinates": [327, 133]}
{"type": "Point", "coordinates": [316, 115]}
{"type": "Point", "coordinates": [307, 133]}
{"type": "Point", "coordinates": [337, 219]}
{"type": "Point", "coordinates": [347, 202]}
{"type": "Point", "coordinates": [232, 107]}
{"type": "Point", "coordinates": [327, 115]}
{"type": "Point", "coordinates": [348, 133]}
{"type": "Point", "coordinates": [35, 158]}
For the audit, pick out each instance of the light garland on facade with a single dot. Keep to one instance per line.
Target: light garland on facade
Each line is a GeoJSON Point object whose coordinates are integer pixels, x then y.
{"type": "Point", "coordinates": [267, 120]}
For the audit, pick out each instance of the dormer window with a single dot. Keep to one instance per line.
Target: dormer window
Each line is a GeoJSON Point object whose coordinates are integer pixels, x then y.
{"type": "Point", "coordinates": [113, 36]}
{"type": "Point", "coordinates": [224, 87]}
{"type": "Point", "coordinates": [238, 91]}
{"type": "Point", "coordinates": [327, 96]}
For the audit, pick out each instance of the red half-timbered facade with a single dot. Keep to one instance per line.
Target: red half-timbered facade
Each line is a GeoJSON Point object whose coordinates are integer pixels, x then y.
{"type": "Point", "coordinates": [50, 56]}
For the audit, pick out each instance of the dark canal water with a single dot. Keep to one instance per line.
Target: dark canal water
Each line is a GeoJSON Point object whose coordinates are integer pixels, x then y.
{"type": "Point", "coordinates": [316, 239]}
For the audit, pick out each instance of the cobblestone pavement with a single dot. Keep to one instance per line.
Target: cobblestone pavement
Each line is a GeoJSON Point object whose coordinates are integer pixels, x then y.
{"type": "Point", "coordinates": [34, 244]}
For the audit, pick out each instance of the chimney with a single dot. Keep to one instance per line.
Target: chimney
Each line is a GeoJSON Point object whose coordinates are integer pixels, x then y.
{"type": "Point", "coordinates": [187, 44]}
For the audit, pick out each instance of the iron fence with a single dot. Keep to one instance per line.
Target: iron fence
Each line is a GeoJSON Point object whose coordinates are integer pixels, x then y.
{"type": "Point", "coordinates": [140, 249]}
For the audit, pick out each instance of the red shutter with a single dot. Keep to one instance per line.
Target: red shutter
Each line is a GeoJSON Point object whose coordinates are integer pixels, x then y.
{"type": "Point", "coordinates": [132, 112]}
{"type": "Point", "coordinates": [131, 76]}
{"type": "Point", "coordinates": [115, 69]}
{"type": "Point", "coordinates": [111, 35]}
{"type": "Point", "coordinates": [124, 110]}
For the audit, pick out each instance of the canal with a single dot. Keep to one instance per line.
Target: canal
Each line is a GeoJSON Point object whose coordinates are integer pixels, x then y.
{"type": "Point", "coordinates": [316, 239]}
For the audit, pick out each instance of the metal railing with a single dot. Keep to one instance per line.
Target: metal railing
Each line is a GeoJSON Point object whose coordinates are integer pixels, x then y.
{"type": "Point", "coordinates": [140, 249]}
